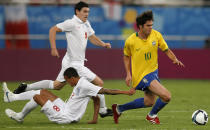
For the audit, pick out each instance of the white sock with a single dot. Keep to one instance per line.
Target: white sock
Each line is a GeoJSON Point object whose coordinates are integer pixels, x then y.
{"type": "Point", "coordinates": [44, 84]}
{"type": "Point", "coordinates": [103, 108]}
{"type": "Point", "coordinates": [27, 108]}
{"type": "Point", "coordinates": [28, 95]}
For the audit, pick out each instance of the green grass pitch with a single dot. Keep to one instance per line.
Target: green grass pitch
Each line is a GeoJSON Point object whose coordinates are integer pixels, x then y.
{"type": "Point", "coordinates": [187, 96]}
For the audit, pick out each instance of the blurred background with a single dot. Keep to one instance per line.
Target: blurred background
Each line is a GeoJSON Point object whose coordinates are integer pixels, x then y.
{"type": "Point", "coordinates": [25, 49]}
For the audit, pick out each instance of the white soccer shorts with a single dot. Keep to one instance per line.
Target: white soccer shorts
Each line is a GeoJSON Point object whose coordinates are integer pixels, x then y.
{"type": "Point", "coordinates": [55, 111]}
{"type": "Point", "coordinates": [81, 70]}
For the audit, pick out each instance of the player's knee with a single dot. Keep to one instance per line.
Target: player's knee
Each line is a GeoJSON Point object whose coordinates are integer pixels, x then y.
{"type": "Point", "coordinates": [166, 98]}
{"type": "Point", "coordinates": [101, 83]}
{"type": "Point", "coordinates": [98, 81]}
{"type": "Point", "coordinates": [36, 97]}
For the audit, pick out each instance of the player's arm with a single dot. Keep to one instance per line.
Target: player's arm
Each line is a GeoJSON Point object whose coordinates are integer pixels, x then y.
{"type": "Point", "coordinates": [96, 103]}
{"type": "Point", "coordinates": [116, 92]}
{"type": "Point", "coordinates": [172, 56]}
{"type": "Point", "coordinates": [127, 65]}
{"type": "Point", "coordinates": [52, 38]}
{"type": "Point", "coordinates": [97, 41]}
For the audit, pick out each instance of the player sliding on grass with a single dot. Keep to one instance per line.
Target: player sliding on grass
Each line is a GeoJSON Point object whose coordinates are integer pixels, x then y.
{"type": "Point", "coordinates": [56, 109]}
{"type": "Point", "coordinates": [78, 30]}
{"type": "Point", "coordinates": [142, 49]}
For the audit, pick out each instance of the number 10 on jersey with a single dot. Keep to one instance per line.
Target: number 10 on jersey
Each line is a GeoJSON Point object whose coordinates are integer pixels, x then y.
{"type": "Point", "coordinates": [147, 55]}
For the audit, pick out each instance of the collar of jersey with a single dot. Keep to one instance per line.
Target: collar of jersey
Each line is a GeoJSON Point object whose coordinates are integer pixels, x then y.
{"type": "Point", "coordinates": [78, 83]}
{"type": "Point", "coordinates": [137, 34]}
{"type": "Point", "coordinates": [78, 20]}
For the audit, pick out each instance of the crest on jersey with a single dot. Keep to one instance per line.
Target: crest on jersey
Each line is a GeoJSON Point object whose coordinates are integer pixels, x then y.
{"type": "Point", "coordinates": [153, 43]}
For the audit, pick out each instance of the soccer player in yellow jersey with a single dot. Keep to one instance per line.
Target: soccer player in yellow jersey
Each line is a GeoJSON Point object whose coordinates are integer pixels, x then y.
{"type": "Point", "coordinates": [142, 49]}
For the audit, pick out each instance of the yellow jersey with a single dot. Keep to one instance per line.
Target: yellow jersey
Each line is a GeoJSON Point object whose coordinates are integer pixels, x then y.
{"type": "Point", "coordinates": [144, 54]}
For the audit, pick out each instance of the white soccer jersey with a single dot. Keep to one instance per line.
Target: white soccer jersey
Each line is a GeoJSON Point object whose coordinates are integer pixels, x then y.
{"type": "Point", "coordinates": [76, 105]}
{"type": "Point", "coordinates": [77, 33]}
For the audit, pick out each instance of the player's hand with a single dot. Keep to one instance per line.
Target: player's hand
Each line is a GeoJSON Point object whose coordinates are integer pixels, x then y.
{"type": "Point", "coordinates": [177, 62]}
{"type": "Point", "coordinates": [107, 45]}
{"type": "Point", "coordinates": [92, 122]}
{"type": "Point", "coordinates": [54, 52]}
{"type": "Point", "coordinates": [128, 80]}
{"type": "Point", "coordinates": [132, 91]}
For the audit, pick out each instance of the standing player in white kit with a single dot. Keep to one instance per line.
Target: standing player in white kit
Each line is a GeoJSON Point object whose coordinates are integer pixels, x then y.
{"type": "Point", "coordinates": [78, 30]}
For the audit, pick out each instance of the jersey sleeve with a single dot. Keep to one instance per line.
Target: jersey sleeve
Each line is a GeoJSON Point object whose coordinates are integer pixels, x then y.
{"type": "Point", "coordinates": [162, 43]}
{"type": "Point", "coordinates": [90, 30]}
{"type": "Point", "coordinates": [66, 26]}
{"type": "Point", "coordinates": [127, 51]}
{"type": "Point", "coordinates": [90, 89]}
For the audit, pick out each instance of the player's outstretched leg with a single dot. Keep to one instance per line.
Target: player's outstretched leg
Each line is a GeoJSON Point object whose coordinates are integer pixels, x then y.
{"type": "Point", "coordinates": [118, 109]}
{"type": "Point", "coordinates": [43, 84]}
{"type": "Point", "coordinates": [116, 114]}
{"type": "Point", "coordinates": [8, 95]}
{"type": "Point", "coordinates": [13, 115]}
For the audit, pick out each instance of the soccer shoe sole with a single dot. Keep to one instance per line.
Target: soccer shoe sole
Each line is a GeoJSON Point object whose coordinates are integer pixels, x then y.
{"type": "Point", "coordinates": [7, 92]}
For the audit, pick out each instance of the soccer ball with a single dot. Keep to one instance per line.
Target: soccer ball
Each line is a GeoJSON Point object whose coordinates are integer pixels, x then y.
{"type": "Point", "coordinates": [200, 117]}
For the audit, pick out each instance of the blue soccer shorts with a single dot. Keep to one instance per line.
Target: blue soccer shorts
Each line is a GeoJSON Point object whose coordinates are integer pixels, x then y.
{"type": "Point", "coordinates": [146, 80]}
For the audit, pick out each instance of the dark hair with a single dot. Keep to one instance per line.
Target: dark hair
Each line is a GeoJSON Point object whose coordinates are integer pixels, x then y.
{"type": "Point", "coordinates": [79, 6]}
{"type": "Point", "coordinates": [144, 17]}
{"type": "Point", "coordinates": [70, 72]}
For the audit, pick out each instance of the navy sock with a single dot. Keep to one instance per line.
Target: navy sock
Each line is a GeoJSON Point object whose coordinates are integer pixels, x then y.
{"type": "Point", "coordinates": [157, 107]}
{"type": "Point", "coordinates": [138, 103]}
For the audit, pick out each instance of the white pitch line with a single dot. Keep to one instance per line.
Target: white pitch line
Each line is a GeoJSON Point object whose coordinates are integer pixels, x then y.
{"type": "Point", "coordinates": [164, 111]}
{"type": "Point", "coordinates": [61, 127]}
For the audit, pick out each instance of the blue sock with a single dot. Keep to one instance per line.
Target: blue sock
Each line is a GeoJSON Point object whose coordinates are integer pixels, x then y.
{"type": "Point", "coordinates": [138, 103]}
{"type": "Point", "coordinates": [157, 107]}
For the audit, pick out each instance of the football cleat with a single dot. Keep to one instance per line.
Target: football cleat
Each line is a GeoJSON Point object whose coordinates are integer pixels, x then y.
{"type": "Point", "coordinates": [8, 95]}
{"type": "Point", "coordinates": [116, 114]}
{"type": "Point", "coordinates": [21, 88]}
{"type": "Point", "coordinates": [153, 120]}
{"type": "Point", "coordinates": [108, 113]}
{"type": "Point", "coordinates": [13, 115]}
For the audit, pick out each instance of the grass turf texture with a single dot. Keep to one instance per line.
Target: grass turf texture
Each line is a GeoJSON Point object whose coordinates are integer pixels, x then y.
{"type": "Point", "coordinates": [187, 96]}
